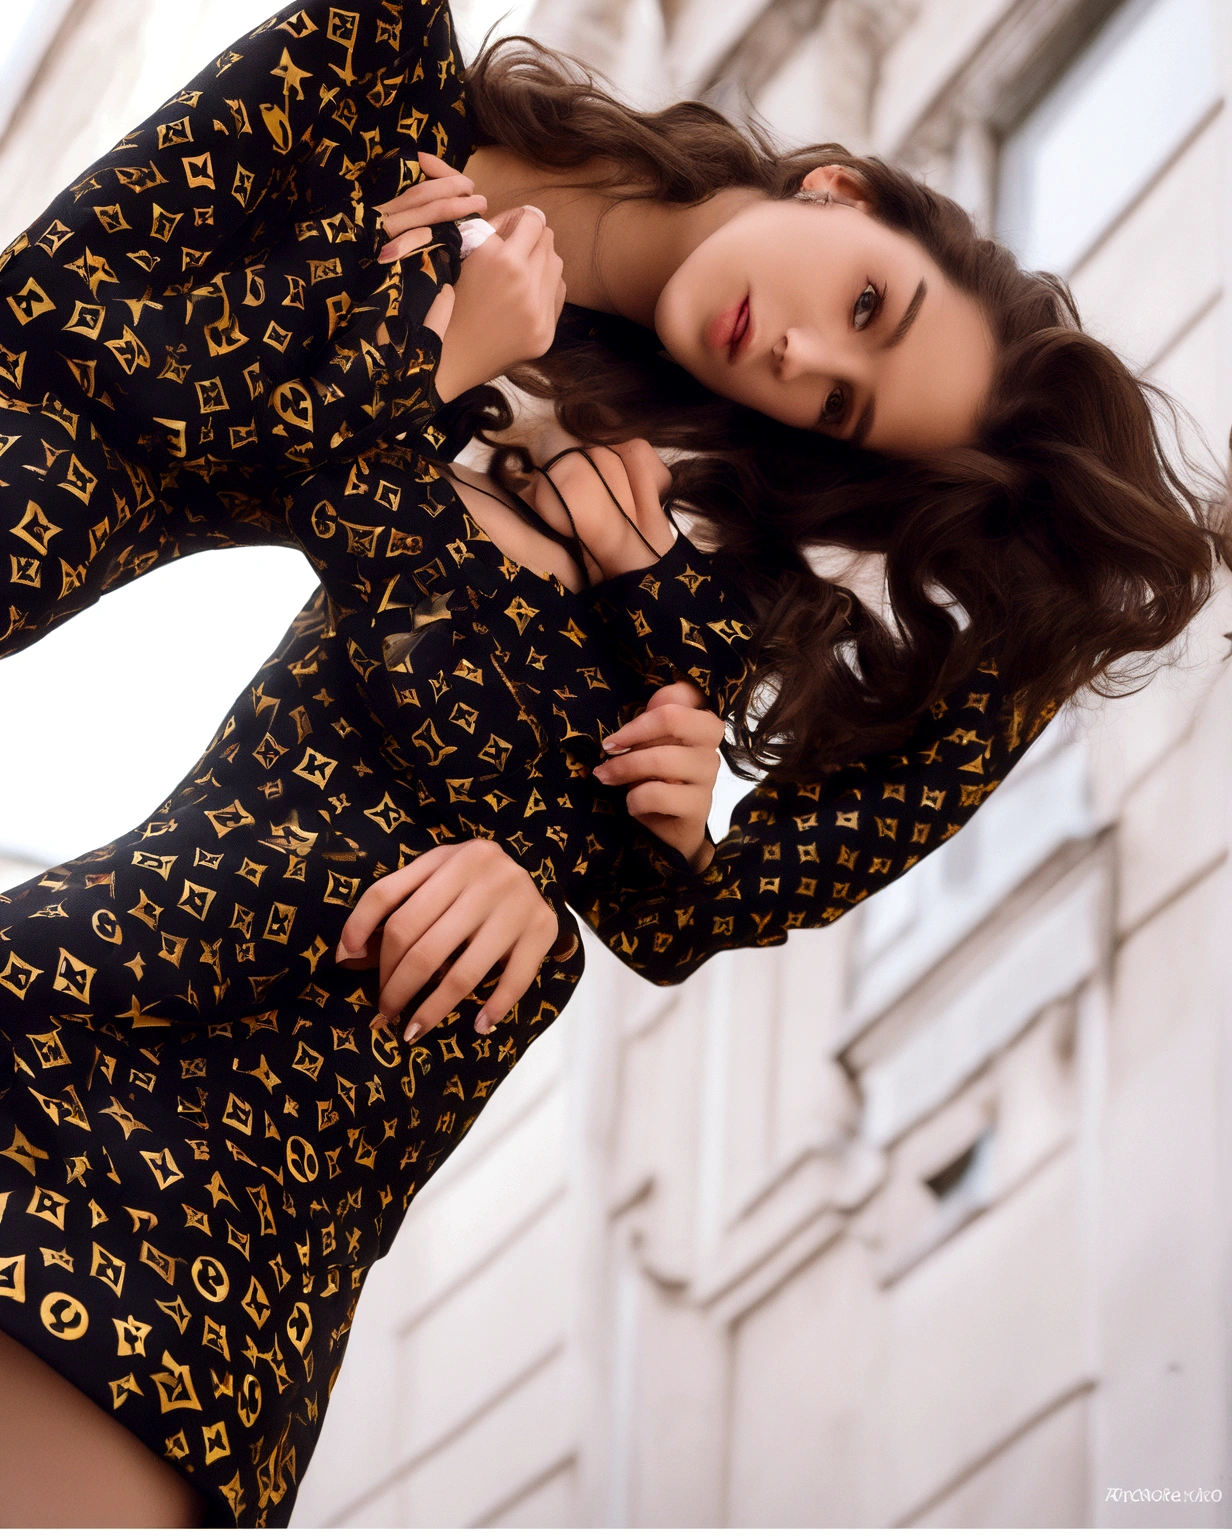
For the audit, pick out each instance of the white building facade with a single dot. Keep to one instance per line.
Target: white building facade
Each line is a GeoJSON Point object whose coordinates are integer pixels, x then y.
{"type": "Point", "coordinates": [925, 1219]}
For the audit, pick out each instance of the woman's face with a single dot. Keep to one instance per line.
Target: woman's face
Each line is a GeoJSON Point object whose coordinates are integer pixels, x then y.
{"type": "Point", "coordinates": [825, 319]}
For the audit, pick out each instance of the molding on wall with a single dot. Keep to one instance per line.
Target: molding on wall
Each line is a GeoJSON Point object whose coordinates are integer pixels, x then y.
{"type": "Point", "coordinates": [1024, 53]}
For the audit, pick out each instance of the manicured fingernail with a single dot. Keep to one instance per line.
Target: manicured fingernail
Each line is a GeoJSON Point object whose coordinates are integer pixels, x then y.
{"type": "Point", "coordinates": [612, 745]}
{"type": "Point", "coordinates": [483, 1024]}
{"type": "Point", "coordinates": [412, 1032]}
{"type": "Point", "coordinates": [343, 953]}
{"type": "Point", "coordinates": [601, 772]}
{"type": "Point", "coordinates": [385, 256]}
{"type": "Point", "coordinates": [530, 208]}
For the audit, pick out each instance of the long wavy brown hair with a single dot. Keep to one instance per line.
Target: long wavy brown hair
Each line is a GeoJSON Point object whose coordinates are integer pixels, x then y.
{"type": "Point", "coordinates": [1064, 542]}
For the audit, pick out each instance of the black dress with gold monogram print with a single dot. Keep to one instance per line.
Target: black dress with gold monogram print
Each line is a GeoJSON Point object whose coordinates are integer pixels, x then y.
{"type": "Point", "coordinates": [207, 1136]}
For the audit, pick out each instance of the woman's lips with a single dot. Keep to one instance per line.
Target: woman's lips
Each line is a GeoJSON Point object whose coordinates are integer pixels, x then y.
{"type": "Point", "coordinates": [731, 331]}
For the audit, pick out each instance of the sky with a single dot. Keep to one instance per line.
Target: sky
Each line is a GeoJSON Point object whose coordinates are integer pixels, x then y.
{"type": "Point", "coordinates": [117, 705]}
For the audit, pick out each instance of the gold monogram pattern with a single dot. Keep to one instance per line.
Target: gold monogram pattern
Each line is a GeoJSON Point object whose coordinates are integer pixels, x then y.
{"type": "Point", "coordinates": [207, 1137]}
{"type": "Point", "coordinates": [798, 855]}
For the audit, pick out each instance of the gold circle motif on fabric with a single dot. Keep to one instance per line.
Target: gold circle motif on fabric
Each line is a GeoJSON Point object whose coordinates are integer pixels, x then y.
{"type": "Point", "coordinates": [302, 1161]}
{"type": "Point", "coordinates": [64, 1317]}
{"type": "Point", "coordinates": [248, 1401]}
{"type": "Point", "coordinates": [210, 1278]}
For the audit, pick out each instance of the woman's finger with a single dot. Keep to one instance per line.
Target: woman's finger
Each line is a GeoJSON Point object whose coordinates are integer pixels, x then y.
{"type": "Point", "coordinates": [453, 185]}
{"type": "Point", "coordinates": [384, 896]}
{"type": "Point", "coordinates": [413, 240]}
{"type": "Point", "coordinates": [487, 950]}
{"type": "Point", "coordinates": [430, 952]}
{"type": "Point", "coordinates": [519, 972]}
{"type": "Point", "coordinates": [656, 798]}
{"type": "Point", "coordinates": [433, 165]}
{"type": "Point", "coordinates": [424, 193]}
{"type": "Point", "coordinates": [505, 222]}
{"type": "Point", "coordinates": [448, 892]}
{"type": "Point", "coordinates": [369, 957]}
{"type": "Point", "coordinates": [437, 210]}
{"type": "Point", "coordinates": [527, 233]}
{"type": "Point", "coordinates": [682, 691]}
{"type": "Point", "coordinates": [673, 764]}
{"type": "Point", "coordinates": [667, 724]}
{"type": "Point", "coordinates": [447, 910]}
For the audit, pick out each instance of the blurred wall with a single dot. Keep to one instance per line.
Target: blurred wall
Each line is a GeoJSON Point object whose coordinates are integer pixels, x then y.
{"type": "Point", "coordinates": [922, 1220]}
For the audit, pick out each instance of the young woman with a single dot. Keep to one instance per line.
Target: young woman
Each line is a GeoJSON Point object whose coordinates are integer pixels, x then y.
{"type": "Point", "coordinates": [252, 321]}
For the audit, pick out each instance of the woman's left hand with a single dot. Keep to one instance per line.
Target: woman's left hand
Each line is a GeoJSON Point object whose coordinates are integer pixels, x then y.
{"type": "Point", "coordinates": [669, 758]}
{"type": "Point", "coordinates": [451, 916]}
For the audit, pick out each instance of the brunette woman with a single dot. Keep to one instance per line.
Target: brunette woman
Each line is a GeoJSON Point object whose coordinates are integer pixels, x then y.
{"type": "Point", "coordinates": [252, 321]}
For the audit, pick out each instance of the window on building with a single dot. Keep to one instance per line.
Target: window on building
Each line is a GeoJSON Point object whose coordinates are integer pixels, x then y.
{"type": "Point", "coordinates": [964, 1177]}
{"type": "Point", "coordinates": [1095, 141]}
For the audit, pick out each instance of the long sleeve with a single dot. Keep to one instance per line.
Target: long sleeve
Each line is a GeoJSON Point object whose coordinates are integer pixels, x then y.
{"type": "Point", "coordinates": [198, 315]}
{"type": "Point", "coordinates": [798, 855]}
{"type": "Point", "coordinates": [210, 287]}
{"type": "Point", "coordinates": [802, 855]}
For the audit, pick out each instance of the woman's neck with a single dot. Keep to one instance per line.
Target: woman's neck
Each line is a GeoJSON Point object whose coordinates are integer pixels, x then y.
{"type": "Point", "coordinates": [618, 253]}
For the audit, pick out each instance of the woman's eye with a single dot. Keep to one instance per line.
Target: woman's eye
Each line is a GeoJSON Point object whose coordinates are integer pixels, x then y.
{"type": "Point", "coordinates": [832, 410]}
{"type": "Point", "coordinates": [866, 307]}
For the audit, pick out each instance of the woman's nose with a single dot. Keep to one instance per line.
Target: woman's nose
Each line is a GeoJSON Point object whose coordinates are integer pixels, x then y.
{"type": "Point", "coordinates": [800, 353]}
{"type": "Point", "coordinates": [795, 355]}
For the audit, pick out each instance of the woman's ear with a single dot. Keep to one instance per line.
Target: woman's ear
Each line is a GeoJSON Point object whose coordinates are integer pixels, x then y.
{"type": "Point", "coordinates": [843, 184]}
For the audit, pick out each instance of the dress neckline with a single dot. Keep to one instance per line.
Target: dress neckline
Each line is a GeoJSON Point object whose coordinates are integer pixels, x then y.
{"type": "Point", "coordinates": [488, 552]}
{"type": "Point", "coordinates": [550, 587]}
{"type": "Point", "coordinates": [530, 515]}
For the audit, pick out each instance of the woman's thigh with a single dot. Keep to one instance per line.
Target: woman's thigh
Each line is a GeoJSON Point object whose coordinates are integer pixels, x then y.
{"type": "Point", "coordinates": [65, 1462]}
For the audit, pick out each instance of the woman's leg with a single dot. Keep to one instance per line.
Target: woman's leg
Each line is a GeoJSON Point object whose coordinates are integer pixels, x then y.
{"type": "Point", "coordinates": [64, 1462]}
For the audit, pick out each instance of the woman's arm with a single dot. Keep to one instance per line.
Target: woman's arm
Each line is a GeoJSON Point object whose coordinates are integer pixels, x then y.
{"type": "Point", "coordinates": [797, 856]}
{"type": "Point", "coordinates": [453, 916]}
{"type": "Point", "coordinates": [201, 276]}
{"type": "Point", "coordinates": [209, 293]}
{"type": "Point", "coordinates": [803, 855]}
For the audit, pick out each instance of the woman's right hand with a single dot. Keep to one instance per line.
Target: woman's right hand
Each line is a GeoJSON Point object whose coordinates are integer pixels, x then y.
{"type": "Point", "coordinates": [504, 307]}
{"type": "Point", "coordinates": [439, 196]}
{"type": "Point", "coordinates": [469, 902]}
{"type": "Point", "coordinates": [509, 295]}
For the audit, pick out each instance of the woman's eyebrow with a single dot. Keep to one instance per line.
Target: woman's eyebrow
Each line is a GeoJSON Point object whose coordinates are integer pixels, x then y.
{"type": "Point", "coordinates": [908, 320]}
